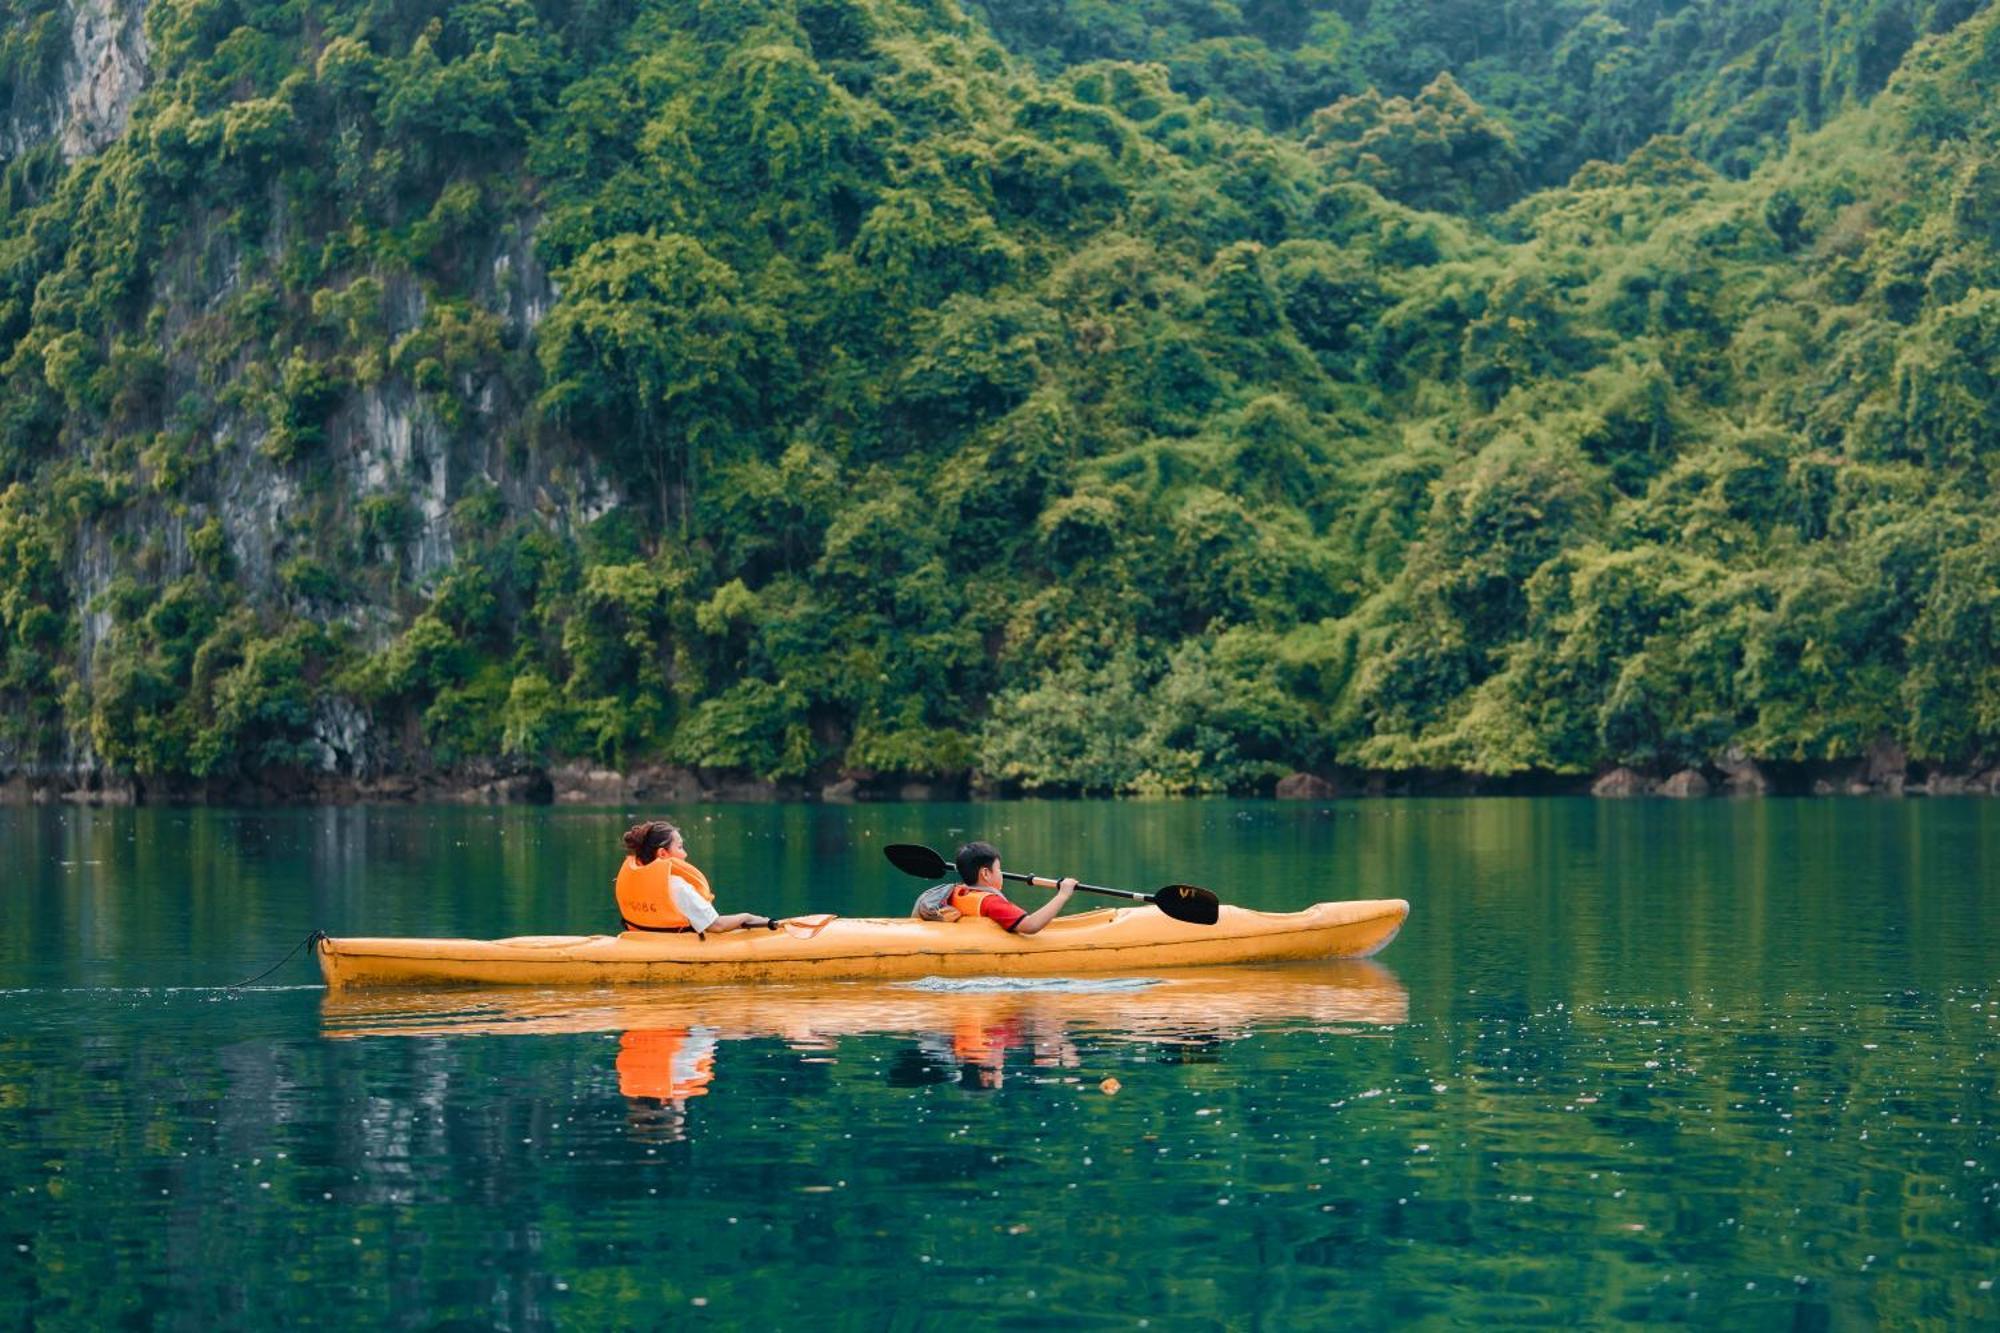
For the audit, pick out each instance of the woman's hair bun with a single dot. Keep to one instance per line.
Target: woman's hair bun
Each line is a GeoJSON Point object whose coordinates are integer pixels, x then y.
{"type": "Point", "coordinates": [644, 841]}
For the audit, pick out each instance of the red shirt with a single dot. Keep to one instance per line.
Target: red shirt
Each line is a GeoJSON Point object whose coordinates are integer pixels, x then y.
{"type": "Point", "coordinates": [995, 907]}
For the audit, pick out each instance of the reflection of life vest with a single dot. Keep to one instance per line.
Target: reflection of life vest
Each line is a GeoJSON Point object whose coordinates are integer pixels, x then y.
{"type": "Point", "coordinates": [645, 896]}
{"type": "Point", "coordinates": [669, 1063]}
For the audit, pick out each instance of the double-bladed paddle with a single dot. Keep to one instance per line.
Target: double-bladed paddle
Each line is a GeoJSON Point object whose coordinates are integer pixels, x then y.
{"type": "Point", "coordinates": [1182, 902]}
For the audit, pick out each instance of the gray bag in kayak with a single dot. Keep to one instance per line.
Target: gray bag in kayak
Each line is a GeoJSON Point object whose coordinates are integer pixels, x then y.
{"type": "Point", "coordinates": [933, 903]}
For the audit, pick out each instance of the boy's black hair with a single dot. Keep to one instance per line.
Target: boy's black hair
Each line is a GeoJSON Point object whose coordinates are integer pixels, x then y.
{"type": "Point", "coordinates": [973, 858]}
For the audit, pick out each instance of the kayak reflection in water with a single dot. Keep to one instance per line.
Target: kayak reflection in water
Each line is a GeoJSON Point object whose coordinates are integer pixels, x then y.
{"type": "Point", "coordinates": [954, 1031]}
{"type": "Point", "coordinates": [660, 890]}
{"type": "Point", "coordinates": [659, 1071]}
{"type": "Point", "coordinates": [1220, 1003]}
{"type": "Point", "coordinates": [982, 892]}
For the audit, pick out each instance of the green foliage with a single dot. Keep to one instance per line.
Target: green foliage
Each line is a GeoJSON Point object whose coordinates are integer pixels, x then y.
{"type": "Point", "coordinates": [754, 727]}
{"type": "Point", "coordinates": [35, 626]}
{"type": "Point", "coordinates": [1198, 392]}
{"type": "Point", "coordinates": [1213, 717]}
{"type": "Point", "coordinates": [1570, 83]}
{"type": "Point", "coordinates": [1440, 150]}
{"type": "Point", "coordinates": [655, 355]}
{"type": "Point", "coordinates": [190, 684]}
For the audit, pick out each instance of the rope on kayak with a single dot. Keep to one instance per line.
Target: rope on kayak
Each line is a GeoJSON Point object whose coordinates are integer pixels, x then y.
{"type": "Point", "coordinates": [314, 938]}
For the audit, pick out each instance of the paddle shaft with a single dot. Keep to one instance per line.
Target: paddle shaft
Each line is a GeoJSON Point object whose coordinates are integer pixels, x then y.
{"type": "Point", "coordinates": [1042, 882]}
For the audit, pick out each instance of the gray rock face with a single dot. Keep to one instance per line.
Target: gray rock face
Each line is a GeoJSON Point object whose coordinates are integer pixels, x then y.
{"type": "Point", "coordinates": [399, 447]}
{"type": "Point", "coordinates": [1305, 787]}
{"type": "Point", "coordinates": [88, 104]}
{"type": "Point", "coordinates": [1621, 782]}
{"type": "Point", "coordinates": [517, 286]}
{"type": "Point", "coordinates": [108, 47]}
{"type": "Point", "coordinates": [664, 783]}
{"type": "Point", "coordinates": [580, 784]}
{"type": "Point", "coordinates": [1686, 783]}
{"type": "Point", "coordinates": [1740, 771]}
{"type": "Point", "coordinates": [1887, 768]}
{"type": "Point", "coordinates": [513, 789]}
{"type": "Point", "coordinates": [340, 736]}
{"type": "Point", "coordinates": [1887, 760]}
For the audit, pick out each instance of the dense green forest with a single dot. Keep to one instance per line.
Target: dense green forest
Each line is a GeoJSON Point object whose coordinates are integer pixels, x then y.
{"type": "Point", "coordinates": [1091, 395]}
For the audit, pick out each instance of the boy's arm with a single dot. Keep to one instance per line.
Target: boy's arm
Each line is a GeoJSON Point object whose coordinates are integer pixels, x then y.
{"type": "Point", "coordinates": [1033, 922]}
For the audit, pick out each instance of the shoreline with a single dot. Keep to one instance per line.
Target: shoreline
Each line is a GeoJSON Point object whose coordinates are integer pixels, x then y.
{"type": "Point", "coordinates": [1883, 773]}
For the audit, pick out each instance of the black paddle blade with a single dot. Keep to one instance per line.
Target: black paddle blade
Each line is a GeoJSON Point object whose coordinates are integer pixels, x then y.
{"type": "Point", "coordinates": [914, 860]}
{"type": "Point", "coordinates": [1185, 902]}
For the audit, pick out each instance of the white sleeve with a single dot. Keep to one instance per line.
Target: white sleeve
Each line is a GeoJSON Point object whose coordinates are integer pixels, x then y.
{"type": "Point", "coordinates": [699, 911]}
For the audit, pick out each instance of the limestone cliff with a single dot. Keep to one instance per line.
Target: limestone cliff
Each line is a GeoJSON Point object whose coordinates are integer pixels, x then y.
{"type": "Point", "coordinates": [100, 70]}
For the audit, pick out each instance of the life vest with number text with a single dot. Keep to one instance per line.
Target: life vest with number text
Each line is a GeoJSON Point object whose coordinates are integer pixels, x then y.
{"type": "Point", "coordinates": [645, 894]}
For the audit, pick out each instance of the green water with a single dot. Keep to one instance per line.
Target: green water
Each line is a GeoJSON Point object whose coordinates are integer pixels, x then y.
{"type": "Point", "coordinates": [1717, 1062]}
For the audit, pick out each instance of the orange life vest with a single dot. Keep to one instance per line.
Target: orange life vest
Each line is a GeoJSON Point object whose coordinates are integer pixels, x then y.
{"type": "Point", "coordinates": [645, 897]}
{"type": "Point", "coordinates": [965, 899]}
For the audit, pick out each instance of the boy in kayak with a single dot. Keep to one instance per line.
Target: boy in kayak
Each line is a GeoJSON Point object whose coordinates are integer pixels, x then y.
{"type": "Point", "coordinates": [980, 892]}
{"type": "Point", "coordinates": [659, 890]}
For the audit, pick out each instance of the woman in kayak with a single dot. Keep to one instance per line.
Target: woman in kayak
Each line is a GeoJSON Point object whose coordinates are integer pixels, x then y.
{"type": "Point", "coordinates": [980, 892]}
{"type": "Point", "coordinates": [659, 890]}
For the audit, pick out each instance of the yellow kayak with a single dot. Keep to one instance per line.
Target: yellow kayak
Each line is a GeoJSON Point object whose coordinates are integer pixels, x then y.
{"type": "Point", "coordinates": [831, 948]}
